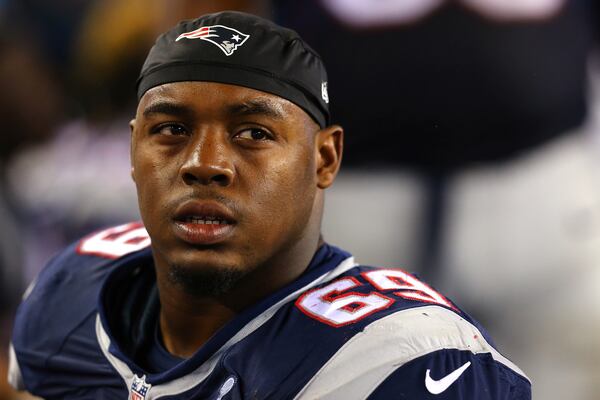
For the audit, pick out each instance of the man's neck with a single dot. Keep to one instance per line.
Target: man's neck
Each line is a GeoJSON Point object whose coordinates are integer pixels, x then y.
{"type": "Point", "coordinates": [187, 326]}
{"type": "Point", "coordinates": [188, 321]}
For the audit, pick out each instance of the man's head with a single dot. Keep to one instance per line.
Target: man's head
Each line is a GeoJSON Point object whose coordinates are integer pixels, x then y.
{"type": "Point", "coordinates": [231, 150]}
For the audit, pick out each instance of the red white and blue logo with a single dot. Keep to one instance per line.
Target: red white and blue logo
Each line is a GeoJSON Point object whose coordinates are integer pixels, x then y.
{"type": "Point", "coordinates": [224, 37]}
{"type": "Point", "coordinates": [139, 388]}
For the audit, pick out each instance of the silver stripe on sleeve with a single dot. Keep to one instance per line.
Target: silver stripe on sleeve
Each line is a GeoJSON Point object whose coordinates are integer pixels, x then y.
{"type": "Point", "coordinates": [367, 359]}
{"type": "Point", "coordinates": [15, 379]}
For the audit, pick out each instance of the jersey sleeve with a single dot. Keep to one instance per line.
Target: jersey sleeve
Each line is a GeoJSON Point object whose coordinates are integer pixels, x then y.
{"type": "Point", "coordinates": [451, 374]}
{"type": "Point", "coordinates": [54, 346]}
{"type": "Point", "coordinates": [60, 301]}
{"type": "Point", "coordinates": [426, 352]}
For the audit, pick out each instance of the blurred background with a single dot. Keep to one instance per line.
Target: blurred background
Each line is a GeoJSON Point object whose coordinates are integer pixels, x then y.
{"type": "Point", "coordinates": [472, 152]}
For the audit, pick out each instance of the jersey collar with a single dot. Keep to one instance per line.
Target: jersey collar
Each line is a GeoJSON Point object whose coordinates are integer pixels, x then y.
{"type": "Point", "coordinates": [327, 263]}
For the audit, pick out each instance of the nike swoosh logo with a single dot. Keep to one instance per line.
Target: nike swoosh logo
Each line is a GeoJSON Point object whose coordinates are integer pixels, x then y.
{"type": "Point", "coordinates": [438, 386]}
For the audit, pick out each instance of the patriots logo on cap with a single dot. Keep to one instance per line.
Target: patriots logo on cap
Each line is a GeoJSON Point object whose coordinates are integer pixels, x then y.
{"type": "Point", "coordinates": [224, 37]}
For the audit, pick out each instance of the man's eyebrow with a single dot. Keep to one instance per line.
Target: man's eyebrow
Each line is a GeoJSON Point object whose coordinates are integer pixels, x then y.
{"type": "Point", "coordinates": [168, 108]}
{"type": "Point", "coordinates": [258, 107]}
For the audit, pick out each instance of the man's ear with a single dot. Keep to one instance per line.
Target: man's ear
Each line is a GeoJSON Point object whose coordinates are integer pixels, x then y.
{"type": "Point", "coordinates": [131, 144]}
{"type": "Point", "coordinates": [329, 147]}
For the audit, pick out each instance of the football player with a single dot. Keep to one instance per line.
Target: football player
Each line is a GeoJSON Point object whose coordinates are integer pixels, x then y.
{"type": "Point", "coordinates": [228, 290]}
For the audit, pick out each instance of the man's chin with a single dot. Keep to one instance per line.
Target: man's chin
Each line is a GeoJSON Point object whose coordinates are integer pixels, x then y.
{"type": "Point", "coordinates": [205, 281]}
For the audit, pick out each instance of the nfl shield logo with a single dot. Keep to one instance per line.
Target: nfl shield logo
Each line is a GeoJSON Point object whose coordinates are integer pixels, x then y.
{"type": "Point", "coordinates": [139, 388]}
{"type": "Point", "coordinates": [224, 37]}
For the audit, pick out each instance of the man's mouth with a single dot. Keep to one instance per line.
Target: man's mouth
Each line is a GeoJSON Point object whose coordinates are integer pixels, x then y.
{"type": "Point", "coordinates": [206, 220]}
{"type": "Point", "coordinates": [203, 223]}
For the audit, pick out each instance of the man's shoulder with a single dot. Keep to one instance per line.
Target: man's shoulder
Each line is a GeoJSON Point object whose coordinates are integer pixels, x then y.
{"type": "Point", "coordinates": [398, 328]}
{"type": "Point", "coordinates": [61, 304]}
{"type": "Point", "coordinates": [363, 294]}
{"type": "Point", "coordinates": [406, 354]}
{"type": "Point", "coordinates": [83, 265]}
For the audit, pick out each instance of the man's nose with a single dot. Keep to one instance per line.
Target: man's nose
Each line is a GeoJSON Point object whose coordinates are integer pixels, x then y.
{"type": "Point", "coordinates": [208, 161]}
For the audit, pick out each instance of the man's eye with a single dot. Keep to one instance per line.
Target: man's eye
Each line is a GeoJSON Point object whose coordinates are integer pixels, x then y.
{"type": "Point", "coordinates": [253, 134]}
{"type": "Point", "coordinates": [170, 129]}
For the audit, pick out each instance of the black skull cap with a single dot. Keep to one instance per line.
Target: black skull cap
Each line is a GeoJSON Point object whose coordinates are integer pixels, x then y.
{"type": "Point", "coordinates": [240, 49]}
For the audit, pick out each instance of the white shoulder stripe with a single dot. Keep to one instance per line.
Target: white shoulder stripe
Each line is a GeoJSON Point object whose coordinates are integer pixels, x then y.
{"type": "Point", "coordinates": [118, 365]}
{"type": "Point", "coordinates": [367, 359]}
{"type": "Point", "coordinates": [15, 379]}
{"type": "Point", "coordinates": [191, 380]}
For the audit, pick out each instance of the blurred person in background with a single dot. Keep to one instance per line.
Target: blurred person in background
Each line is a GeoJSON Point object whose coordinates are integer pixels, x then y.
{"type": "Point", "coordinates": [31, 107]}
{"type": "Point", "coordinates": [489, 181]}
{"type": "Point", "coordinates": [24, 123]}
{"type": "Point", "coordinates": [79, 181]}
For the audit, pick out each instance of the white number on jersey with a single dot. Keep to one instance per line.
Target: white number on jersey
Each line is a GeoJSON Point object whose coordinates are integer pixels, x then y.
{"type": "Point", "coordinates": [409, 287]}
{"type": "Point", "coordinates": [333, 306]}
{"type": "Point", "coordinates": [330, 306]}
{"type": "Point", "coordinates": [116, 242]}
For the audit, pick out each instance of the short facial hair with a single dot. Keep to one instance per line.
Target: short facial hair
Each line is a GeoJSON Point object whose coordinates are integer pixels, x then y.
{"type": "Point", "coordinates": [205, 282]}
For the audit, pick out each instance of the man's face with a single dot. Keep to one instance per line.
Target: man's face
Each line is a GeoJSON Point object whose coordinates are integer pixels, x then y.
{"type": "Point", "coordinates": [227, 177]}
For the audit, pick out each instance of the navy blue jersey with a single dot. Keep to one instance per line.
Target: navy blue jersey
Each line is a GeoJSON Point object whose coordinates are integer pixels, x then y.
{"type": "Point", "coordinates": [85, 330]}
